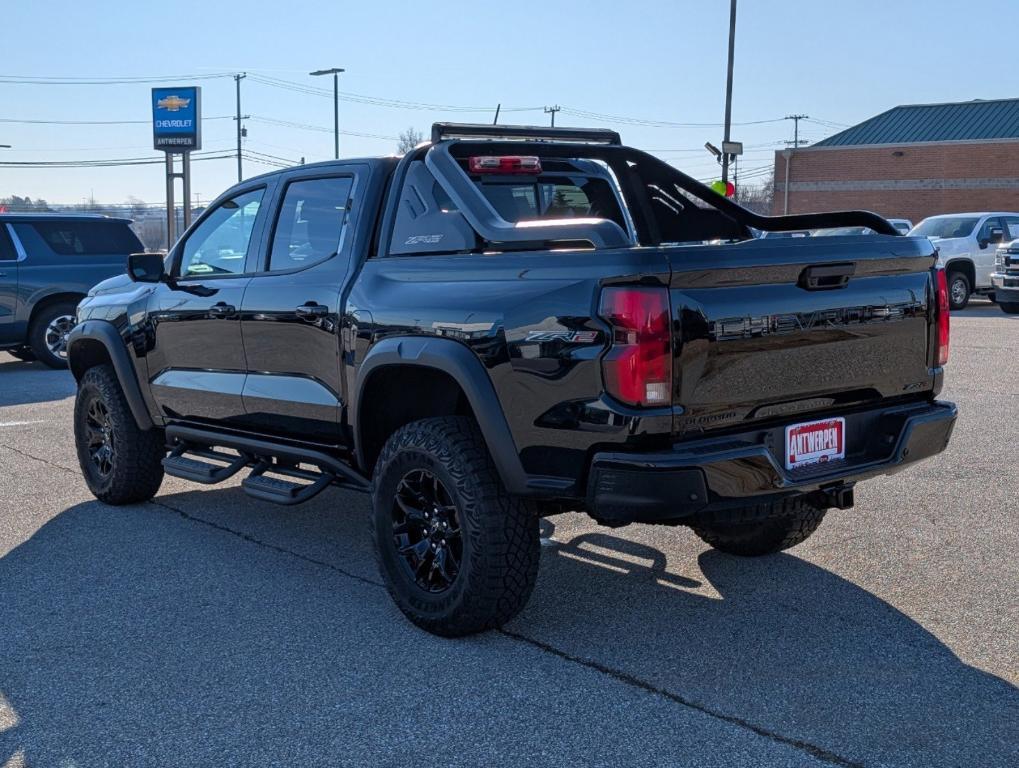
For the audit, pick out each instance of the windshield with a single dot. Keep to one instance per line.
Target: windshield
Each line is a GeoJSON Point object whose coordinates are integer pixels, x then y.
{"type": "Point", "coordinates": [947, 226]}
{"type": "Point", "coordinates": [839, 231]}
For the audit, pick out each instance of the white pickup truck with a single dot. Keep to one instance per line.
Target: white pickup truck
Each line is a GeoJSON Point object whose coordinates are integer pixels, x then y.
{"type": "Point", "coordinates": [966, 244]}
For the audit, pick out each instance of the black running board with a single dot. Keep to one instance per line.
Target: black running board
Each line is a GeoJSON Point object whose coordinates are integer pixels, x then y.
{"type": "Point", "coordinates": [256, 451]}
{"type": "Point", "coordinates": [280, 491]}
{"type": "Point", "coordinates": [197, 471]}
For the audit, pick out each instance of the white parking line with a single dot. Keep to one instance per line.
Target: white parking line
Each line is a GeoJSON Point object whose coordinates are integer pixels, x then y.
{"type": "Point", "coordinates": [21, 423]}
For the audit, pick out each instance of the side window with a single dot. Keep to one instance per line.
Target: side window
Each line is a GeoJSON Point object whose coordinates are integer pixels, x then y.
{"type": "Point", "coordinates": [309, 224]}
{"type": "Point", "coordinates": [219, 246]}
{"type": "Point", "coordinates": [87, 237]}
{"type": "Point", "coordinates": [985, 230]}
{"type": "Point", "coordinates": [7, 252]}
{"type": "Point", "coordinates": [1012, 228]}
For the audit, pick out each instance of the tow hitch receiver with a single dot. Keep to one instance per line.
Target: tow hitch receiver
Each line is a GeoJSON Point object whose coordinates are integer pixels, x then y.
{"type": "Point", "coordinates": [839, 496]}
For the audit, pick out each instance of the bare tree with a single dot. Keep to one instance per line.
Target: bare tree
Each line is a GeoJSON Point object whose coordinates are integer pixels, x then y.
{"type": "Point", "coordinates": [136, 205]}
{"type": "Point", "coordinates": [408, 140]}
{"type": "Point", "coordinates": [757, 197]}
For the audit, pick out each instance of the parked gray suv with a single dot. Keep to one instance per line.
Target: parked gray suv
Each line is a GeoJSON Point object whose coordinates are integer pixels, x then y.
{"type": "Point", "coordinates": [48, 262]}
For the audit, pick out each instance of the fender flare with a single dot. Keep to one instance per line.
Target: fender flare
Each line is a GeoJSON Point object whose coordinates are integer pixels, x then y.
{"type": "Point", "coordinates": [464, 367]}
{"type": "Point", "coordinates": [106, 334]}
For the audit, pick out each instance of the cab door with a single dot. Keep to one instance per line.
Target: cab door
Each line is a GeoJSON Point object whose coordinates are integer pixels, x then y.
{"type": "Point", "coordinates": [989, 237]}
{"type": "Point", "coordinates": [292, 307]}
{"type": "Point", "coordinates": [196, 364]}
{"type": "Point", "coordinates": [8, 286]}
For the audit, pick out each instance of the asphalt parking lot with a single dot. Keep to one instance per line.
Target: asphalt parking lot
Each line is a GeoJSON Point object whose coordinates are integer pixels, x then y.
{"type": "Point", "coordinates": [206, 628]}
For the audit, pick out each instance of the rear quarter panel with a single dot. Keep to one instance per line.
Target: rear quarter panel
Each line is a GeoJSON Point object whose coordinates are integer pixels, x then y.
{"type": "Point", "coordinates": [531, 320]}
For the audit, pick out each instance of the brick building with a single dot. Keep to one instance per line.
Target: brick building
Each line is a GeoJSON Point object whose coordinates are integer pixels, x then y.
{"type": "Point", "coordinates": [909, 162]}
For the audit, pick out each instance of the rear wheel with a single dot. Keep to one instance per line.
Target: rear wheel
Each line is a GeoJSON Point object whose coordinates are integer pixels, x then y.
{"type": "Point", "coordinates": [48, 334]}
{"type": "Point", "coordinates": [122, 464]}
{"type": "Point", "coordinates": [959, 289]}
{"type": "Point", "coordinates": [1009, 307]}
{"type": "Point", "coordinates": [771, 528]}
{"type": "Point", "coordinates": [458, 554]}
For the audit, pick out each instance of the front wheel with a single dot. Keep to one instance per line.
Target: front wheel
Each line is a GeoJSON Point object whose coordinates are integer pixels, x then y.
{"type": "Point", "coordinates": [47, 335]}
{"type": "Point", "coordinates": [458, 554]}
{"type": "Point", "coordinates": [772, 528]}
{"type": "Point", "coordinates": [1009, 307]}
{"type": "Point", "coordinates": [958, 290]}
{"type": "Point", "coordinates": [122, 464]}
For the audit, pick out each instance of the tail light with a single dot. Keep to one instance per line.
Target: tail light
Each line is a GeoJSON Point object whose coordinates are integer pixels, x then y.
{"type": "Point", "coordinates": [504, 164]}
{"type": "Point", "coordinates": [638, 367]}
{"type": "Point", "coordinates": [941, 316]}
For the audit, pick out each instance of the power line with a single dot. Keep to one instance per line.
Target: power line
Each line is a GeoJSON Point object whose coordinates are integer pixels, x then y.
{"type": "Point", "coordinates": [107, 162]}
{"type": "Point", "coordinates": [72, 80]}
{"type": "Point", "coordinates": [309, 127]}
{"type": "Point", "coordinates": [378, 101]}
{"type": "Point", "coordinates": [583, 113]}
{"type": "Point", "coordinates": [95, 122]}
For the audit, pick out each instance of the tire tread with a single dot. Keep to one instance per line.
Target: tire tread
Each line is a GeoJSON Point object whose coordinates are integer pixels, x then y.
{"type": "Point", "coordinates": [137, 468]}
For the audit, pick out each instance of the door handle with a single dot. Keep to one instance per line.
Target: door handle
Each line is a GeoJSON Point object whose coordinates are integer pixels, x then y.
{"type": "Point", "coordinates": [311, 311]}
{"type": "Point", "coordinates": [824, 277]}
{"type": "Point", "coordinates": [222, 309]}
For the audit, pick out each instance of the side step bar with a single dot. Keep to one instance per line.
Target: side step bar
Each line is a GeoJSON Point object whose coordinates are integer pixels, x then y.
{"type": "Point", "coordinates": [280, 491]}
{"type": "Point", "coordinates": [264, 456]}
{"type": "Point", "coordinates": [179, 465]}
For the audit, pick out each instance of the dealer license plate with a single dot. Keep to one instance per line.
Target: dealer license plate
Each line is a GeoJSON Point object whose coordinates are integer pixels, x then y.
{"type": "Point", "coordinates": [814, 442]}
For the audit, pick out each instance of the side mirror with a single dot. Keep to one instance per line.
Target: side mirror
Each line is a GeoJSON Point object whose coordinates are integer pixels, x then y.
{"type": "Point", "coordinates": [146, 267]}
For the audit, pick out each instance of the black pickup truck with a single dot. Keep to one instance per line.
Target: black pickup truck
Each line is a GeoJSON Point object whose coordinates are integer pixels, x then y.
{"type": "Point", "coordinates": [507, 323]}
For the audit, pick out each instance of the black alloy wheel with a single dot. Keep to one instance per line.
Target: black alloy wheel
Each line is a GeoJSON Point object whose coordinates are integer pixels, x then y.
{"type": "Point", "coordinates": [426, 531]}
{"type": "Point", "coordinates": [99, 432]}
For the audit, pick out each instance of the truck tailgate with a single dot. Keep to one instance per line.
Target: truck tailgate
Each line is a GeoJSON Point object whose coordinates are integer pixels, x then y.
{"type": "Point", "coordinates": [774, 329]}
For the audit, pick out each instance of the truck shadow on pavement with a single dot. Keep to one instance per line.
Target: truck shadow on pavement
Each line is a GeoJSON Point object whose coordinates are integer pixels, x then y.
{"type": "Point", "coordinates": [241, 634]}
{"type": "Point", "coordinates": [25, 383]}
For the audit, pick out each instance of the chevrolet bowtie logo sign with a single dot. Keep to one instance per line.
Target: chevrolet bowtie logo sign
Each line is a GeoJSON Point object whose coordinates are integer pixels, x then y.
{"type": "Point", "coordinates": [177, 118]}
{"type": "Point", "coordinates": [173, 103]}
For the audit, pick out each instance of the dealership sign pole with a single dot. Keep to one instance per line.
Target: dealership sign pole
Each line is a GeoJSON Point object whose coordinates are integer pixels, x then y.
{"type": "Point", "coordinates": [177, 129]}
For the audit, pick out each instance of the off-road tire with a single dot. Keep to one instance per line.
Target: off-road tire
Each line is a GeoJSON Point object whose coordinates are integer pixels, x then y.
{"type": "Point", "coordinates": [24, 354]}
{"type": "Point", "coordinates": [499, 532]}
{"type": "Point", "coordinates": [37, 333]}
{"type": "Point", "coordinates": [1009, 307]}
{"type": "Point", "coordinates": [137, 471]}
{"type": "Point", "coordinates": [954, 302]}
{"type": "Point", "coordinates": [762, 529]}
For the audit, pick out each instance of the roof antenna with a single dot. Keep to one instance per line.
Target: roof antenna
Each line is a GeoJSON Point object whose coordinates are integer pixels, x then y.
{"type": "Point", "coordinates": [497, 108]}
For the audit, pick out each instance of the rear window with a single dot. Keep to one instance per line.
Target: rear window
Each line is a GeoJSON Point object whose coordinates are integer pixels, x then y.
{"type": "Point", "coordinates": [553, 198]}
{"type": "Point", "coordinates": [86, 238]}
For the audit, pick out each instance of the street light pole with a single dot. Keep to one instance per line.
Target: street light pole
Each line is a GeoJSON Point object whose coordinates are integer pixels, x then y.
{"type": "Point", "coordinates": [728, 88]}
{"type": "Point", "coordinates": [335, 72]}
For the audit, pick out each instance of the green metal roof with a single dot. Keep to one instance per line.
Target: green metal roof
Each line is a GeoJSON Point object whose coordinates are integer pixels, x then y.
{"type": "Point", "coordinates": [962, 121]}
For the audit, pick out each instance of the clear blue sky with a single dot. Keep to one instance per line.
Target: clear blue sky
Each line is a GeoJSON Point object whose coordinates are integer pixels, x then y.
{"type": "Point", "coordinates": [663, 60]}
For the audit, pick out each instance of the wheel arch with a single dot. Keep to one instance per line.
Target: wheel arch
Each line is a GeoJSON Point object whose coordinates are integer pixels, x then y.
{"type": "Point", "coordinates": [451, 379]}
{"type": "Point", "coordinates": [50, 299]}
{"type": "Point", "coordinates": [966, 267]}
{"type": "Point", "coordinates": [97, 342]}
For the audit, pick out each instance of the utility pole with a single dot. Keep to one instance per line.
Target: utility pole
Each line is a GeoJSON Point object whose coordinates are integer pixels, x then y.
{"type": "Point", "coordinates": [796, 128]}
{"type": "Point", "coordinates": [728, 89]}
{"type": "Point", "coordinates": [335, 72]}
{"type": "Point", "coordinates": [551, 111]}
{"type": "Point", "coordinates": [240, 171]}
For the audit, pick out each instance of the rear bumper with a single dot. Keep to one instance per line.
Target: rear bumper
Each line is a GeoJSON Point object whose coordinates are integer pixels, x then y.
{"type": "Point", "coordinates": [700, 475]}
